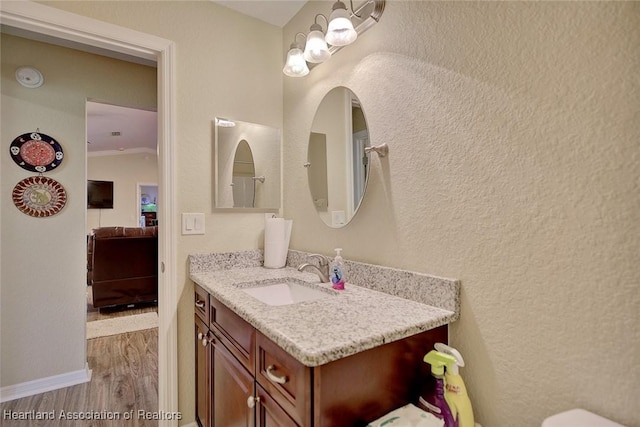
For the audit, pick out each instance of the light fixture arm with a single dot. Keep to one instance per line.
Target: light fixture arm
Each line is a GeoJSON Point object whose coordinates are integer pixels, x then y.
{"type": "Point", "coordinates": [353, 12]}
{"type": "Point", "coordinates": [315, 26]}
{"type": "Point", "coordinates": [373, 9]}
{"type": "Point", "coordinates": [295, 40]}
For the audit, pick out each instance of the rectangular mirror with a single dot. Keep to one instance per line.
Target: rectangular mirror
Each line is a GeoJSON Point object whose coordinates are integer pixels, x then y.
{"type": "Point", "coordinates": [247, 159]}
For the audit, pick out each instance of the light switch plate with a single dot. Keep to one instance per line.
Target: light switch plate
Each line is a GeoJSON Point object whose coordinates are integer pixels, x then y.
{"type": "Point", "coordinates": [192, 223]}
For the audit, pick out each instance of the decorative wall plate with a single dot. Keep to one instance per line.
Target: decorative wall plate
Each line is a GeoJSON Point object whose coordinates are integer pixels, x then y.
{"type": "Point", "coordinates": [36, 152]}
{"type": "Point", "coordinates": [39, 196]}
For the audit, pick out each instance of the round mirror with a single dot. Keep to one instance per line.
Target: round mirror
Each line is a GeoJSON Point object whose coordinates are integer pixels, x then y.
{"type": "Point", "coordinates": [337, 166]}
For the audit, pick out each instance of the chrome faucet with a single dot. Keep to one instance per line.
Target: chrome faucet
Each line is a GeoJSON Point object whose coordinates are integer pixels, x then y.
{"type": "Point", "coordinates": [322, 271]}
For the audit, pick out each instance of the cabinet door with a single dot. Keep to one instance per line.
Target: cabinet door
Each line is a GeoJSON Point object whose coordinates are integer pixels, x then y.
{"type": "Point", "coordinates": [232, 387]}
{"type": "Point", "coordinates": [269, 413]}
{"type": "Point", "coordinates": [203, 374]}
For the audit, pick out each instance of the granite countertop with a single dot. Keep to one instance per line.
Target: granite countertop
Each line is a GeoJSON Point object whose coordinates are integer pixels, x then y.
{"type": "Point", "coordinates": [321, 331]}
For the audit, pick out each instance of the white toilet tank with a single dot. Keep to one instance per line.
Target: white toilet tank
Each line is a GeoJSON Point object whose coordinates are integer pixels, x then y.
{"type": "Point", "coordinates": [578, 418]}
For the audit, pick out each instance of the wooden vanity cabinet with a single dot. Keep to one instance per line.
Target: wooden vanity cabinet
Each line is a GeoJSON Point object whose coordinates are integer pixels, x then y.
{"type": "Point", "coordinates": [254, 382]}
{"type": "Point", "coordinates": [358, 389]}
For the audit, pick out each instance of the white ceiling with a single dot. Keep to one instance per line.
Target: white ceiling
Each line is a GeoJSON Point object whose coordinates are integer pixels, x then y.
{"type": "Point", "coordinates": [138, 129]}
{"type": "Point", "coordinates": [276, 12]}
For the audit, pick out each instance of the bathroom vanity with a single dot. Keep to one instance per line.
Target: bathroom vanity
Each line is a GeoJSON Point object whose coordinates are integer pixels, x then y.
{"type": "Point", "coordinates": [343, 358]}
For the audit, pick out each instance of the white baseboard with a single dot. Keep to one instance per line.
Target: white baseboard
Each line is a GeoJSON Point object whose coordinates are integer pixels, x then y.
{"type": "Point", "coordinates": [29, 388]}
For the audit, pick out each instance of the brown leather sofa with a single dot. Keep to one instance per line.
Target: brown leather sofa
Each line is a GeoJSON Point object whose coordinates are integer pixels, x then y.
{"type": "Point", "coordinates": [122, 265]}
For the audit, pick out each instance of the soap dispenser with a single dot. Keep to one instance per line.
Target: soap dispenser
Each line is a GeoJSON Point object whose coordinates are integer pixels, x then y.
{"type": "Point", "coordinates": [337, 275]}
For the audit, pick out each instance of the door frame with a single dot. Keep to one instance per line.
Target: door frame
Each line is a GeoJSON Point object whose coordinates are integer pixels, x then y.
{"type": "Point", "coordinates": [46, 21]}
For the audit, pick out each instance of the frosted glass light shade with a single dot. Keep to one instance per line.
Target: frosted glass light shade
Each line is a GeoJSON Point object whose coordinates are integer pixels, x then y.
{"type": "Point", "coordinates": [340, 31]}
{"type": "Point", "coordinates": [295, 66]}
{"type": "Point", "coordinates": [316, 49]}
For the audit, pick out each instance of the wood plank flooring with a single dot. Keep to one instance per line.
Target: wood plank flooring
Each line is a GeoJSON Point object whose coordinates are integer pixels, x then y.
{"type": "Point", "coordinates": [124, 378]}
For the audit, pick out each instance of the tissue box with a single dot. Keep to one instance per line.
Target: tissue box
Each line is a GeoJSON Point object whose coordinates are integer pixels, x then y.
{"type": "Point", "coordinates": [408, 416]}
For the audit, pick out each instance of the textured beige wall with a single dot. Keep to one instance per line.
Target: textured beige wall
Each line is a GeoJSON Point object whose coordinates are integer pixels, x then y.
{"type": "Point", "coordinates": [514, 166]}
{"type": "Point", "coordinates": [227, 65]}
{"type": "Point", "coordinates": [43, 293]}
{"type": "Point", "coordinates": [126, 171]}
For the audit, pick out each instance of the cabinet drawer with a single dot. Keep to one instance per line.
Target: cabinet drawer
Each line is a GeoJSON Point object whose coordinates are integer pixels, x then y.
{"type": "Point", "coordinates": [285, 379]}
{"type": "Point", "coordinates": [201, 303]}
{"type": "Point", "coordinates": [238, 335]}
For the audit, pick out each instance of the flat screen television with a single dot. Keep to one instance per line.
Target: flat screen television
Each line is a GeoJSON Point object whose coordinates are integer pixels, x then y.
{"type": "Point", "coordinates": [99, 194]}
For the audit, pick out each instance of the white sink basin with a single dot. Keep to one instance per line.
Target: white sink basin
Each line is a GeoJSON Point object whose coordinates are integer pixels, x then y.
{"type": "Point", "coordinates": [286, 293]}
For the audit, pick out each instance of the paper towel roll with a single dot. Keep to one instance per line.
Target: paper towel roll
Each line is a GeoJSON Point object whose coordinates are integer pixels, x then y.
{"type": "Point", "coordinates": [277, 232]}
{"type": "Point", "coordinates": [274, 229]}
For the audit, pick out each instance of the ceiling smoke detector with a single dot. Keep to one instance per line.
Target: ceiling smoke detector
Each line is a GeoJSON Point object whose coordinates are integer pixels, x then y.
{"type": "Point", "coordinates": [29, 77]}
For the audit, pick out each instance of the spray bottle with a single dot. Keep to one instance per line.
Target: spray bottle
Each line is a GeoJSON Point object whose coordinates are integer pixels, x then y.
{"type": "Point", "coordinates": [456, 391]}
{"type": "Point", "coordinates": [434, 400]}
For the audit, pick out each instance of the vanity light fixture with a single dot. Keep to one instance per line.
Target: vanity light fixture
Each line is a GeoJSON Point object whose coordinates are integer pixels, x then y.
{"type": "Point", "coordinates": [316, 49]}
{"type": "Point", "coordinates": [296, 66]}
{"type": "Point", "coordinates": [343, 27]}
{"type": "Point", "coordinates": [340, 31]}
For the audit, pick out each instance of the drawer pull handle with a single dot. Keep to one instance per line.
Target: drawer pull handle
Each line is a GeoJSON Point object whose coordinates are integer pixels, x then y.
{"type": "Point", "coordinates": [199, 304]}
{"type": "Point", "coordinates": [275, 378]}
{"type": "Point", "coordinates": [251, 401]}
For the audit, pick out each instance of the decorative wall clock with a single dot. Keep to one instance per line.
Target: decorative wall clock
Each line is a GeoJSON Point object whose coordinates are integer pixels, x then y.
{"type": "Point", "coordinates": [39, 196]}
{"type": "Point", "coordinates": [36, 152]}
